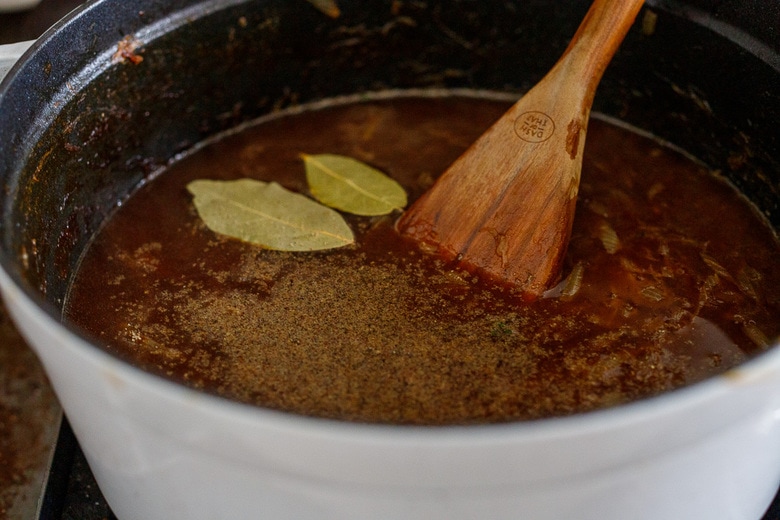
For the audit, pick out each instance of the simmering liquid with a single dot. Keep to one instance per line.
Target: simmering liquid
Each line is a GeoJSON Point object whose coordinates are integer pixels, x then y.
{"type": "Point", "coordinates": [670, 278]}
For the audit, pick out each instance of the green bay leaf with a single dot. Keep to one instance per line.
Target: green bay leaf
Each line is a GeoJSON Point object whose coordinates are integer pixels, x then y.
{"type": "Point", "coordinates": [349, 185]}
{"type": "Point", "coordinates": [268, 215]}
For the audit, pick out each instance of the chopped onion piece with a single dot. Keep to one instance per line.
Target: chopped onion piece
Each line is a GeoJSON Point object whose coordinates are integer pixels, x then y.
{"type": "Point", "coordinates": [609, 238]}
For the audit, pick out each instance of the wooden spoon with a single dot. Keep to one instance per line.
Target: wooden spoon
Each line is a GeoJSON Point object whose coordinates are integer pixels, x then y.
{"type": "Point", "coordinates": [505, 208]}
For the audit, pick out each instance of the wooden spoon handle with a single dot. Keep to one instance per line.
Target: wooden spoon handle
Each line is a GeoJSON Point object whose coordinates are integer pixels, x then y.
{"type": "Point", "coordinates": [603, 29]}
{"type": "Point", "coordinates": [565, 95]}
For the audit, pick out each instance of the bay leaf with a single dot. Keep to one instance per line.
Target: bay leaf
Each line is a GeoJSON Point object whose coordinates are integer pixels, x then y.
{"type": "Point", "coordinates": [268, 215]}
{"type": "Point", "coordinates": [349, 185]}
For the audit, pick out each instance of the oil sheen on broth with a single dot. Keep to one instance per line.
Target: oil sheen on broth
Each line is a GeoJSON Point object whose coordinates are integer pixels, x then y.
{"type": "Point", "coordinates": [670, 278]}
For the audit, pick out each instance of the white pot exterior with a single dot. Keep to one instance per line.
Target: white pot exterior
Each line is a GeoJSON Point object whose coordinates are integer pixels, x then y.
{"type": "Point", "coordinates": [10, 53]}
{"type": "Point", "coordinates": [162, 451]}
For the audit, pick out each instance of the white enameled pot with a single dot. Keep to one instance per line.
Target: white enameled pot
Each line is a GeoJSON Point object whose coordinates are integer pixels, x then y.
{"type": "Point", "coordinates": [162, 451]}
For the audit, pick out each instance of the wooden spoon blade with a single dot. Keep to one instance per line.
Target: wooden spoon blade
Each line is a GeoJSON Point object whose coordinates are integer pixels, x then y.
{"type": "Point", "coordinates": [508, 222]}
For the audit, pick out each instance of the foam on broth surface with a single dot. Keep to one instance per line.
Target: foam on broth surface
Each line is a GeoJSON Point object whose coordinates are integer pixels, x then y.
{"type": "Point", "coordinates": [671, 278]}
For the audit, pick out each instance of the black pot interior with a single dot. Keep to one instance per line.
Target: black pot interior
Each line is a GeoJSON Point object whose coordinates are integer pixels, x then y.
{"type": "Point", "coordinates": [89, 116]}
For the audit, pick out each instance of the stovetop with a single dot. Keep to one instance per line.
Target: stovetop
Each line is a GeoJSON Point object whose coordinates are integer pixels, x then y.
{"type": "Point", "coordinates": [71, 492]}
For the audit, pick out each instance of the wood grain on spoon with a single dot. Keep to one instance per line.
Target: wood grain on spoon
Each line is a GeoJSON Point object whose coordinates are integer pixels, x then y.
{"type": "Point", "coordinates": [505, 208]}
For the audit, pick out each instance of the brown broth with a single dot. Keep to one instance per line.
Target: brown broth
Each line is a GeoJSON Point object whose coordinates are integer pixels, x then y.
{"type": "Point", "coordinates": [678, 278]}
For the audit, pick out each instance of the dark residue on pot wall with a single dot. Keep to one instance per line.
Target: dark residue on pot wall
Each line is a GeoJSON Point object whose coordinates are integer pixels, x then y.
{"type": "Point", "coordinates": [112, 123]}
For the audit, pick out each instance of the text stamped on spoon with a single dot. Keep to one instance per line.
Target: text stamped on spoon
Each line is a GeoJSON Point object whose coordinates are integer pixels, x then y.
{"type": "Point", "coordinates": [534, 127]}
